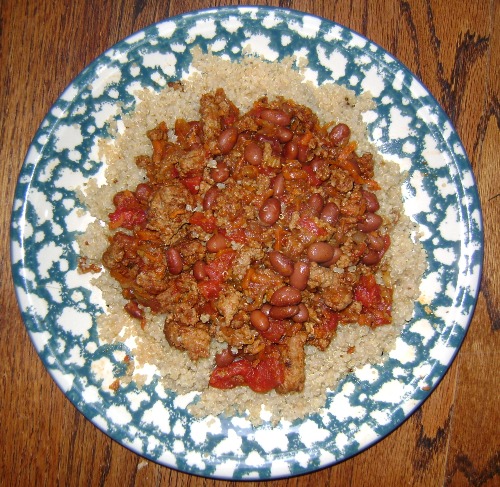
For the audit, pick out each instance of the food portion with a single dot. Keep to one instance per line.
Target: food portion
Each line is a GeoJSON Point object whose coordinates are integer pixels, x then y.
{"type": "Point", "coordinates": [238, 221]}
{"type": "Point", "coordinates": [259, 230]}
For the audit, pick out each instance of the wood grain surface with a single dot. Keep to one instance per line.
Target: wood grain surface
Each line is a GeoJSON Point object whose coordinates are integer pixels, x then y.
{"type": "Point", "coordinates": [453, 46]}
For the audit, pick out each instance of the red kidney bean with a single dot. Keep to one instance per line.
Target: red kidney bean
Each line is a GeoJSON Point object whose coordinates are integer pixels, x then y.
{"type": "Point", "coordinates": [210, 197]}
{"type": "Point", "coordinates": [315, 203]}
{"type": "Point", "coordinates": [174, 261]}
{"type": "Point", "coordinates": [224, 358]}
{"type": "Point", "coordinates": [253, 153]}
{"type": "Point", "coordinates": [320, 252]}
{"type": "Point", "coordinates": [220, 173]}
{"type": "Point", "coordinates": [372, 204]}
{"type": "Point", "coordinates": [279, 185]}
{"type": "Point", "coordinates": [302, 314]}
{"type": "Point", "coordinates": [339, 133]}
{"type": "Point", "coordinates": [199, 271]}
{"type": "Point", "coordinates": [270, 211]}
{"type": "Point", "coordinates": [371, 258]}
{"type": "Point", "coordinates": [300, 275]}
{"type": "Point", "coordinates": [216, 242]}
{"type": "Point", "coordinates": [286, 296]}
{"type": "Point", "coordinates": [291, 150]}
{"type": "Point", "coordinates": [376, 242]}
{"type": "Point", "coordinates": [302, 153]}
{"type": "Point", "coordinates": [337, 254]}
{"type": "Point", "coordinates": [371, 223]}
{"type": "Point", "coordinates": [277, 117]}
{"type": "Point", "coordinates": [317, 163]}
{"type": "Point", "coordinates": [283, 312]}
{"type": "Point", "coordinates": [330, 213]}
{"type": "Point", "coordinates": [284, 134]}
{"type": "Point", "coordinates": [281, 263]}
{"type": "Point", "coordinates": [259, 320]}
{"type": "Point", "coordinates": [266, 308]}
{"type": "Point", "coordinates": [227, 139]}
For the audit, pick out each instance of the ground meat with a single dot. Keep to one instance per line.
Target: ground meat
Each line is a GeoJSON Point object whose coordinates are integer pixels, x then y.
{"type": "Point", "coordinates": [293, 356]}
{"type": "Point", "coordinates": [167, 210]}
{"type": "Point", "coordinates": [195, 340]}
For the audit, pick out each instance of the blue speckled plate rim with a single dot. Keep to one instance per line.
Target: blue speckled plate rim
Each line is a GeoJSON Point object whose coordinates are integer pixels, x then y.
{"type": "Point", "coordinates": [28, 171]}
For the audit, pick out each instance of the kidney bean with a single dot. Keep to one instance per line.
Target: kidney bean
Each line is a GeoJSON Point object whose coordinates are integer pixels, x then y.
{"type": "Point", "coordinates": [372, 204]}
{"type": "Point", "coordinates": [174, 261]}
{"type": "Point", "coordinates": [371, 258]}
{"type": "Point", "coordinates": [339, 133]}
{"type": "Point", "coordinates": [376, 242]}
{"type": "Point", "coordinates": [253, 153]}
{"type": "Point", "coordinates": [216, 242]}
{"type": "Point", "coordinates": [266, 308]}
{"type": "Point", "coordinates": [199, 271]}
{"type": "Point", "coordinates": [259, 320]}
{"type": "Point", "coordinates": [279, 185]}
{"type": "Point", "coordinates": [317, 163]}
{"type": "Point", "coordinates": [224, 358]}
{"type": "Point", "coordinates": [300, 275]}
{"type": "Point", "coordinates": [227, 139]}
{"type": "Point", "coordinates": [302, 153]}
{"type": "Point", "coordinates": [320, 252]}
{"type": "Point", "coordinates": [283, 312]}
{"type": "Point", "coordinates": [291, 150]}
{"type": "Point", "coordinates": [270, 211]}
{"type": "Point", "coordinates": [315, 203]}
{"type": "Point", "coordinates": [371, 223]}
{"type": "Point", "coordinates": [302, 314]}
{"type": "Point", "coordinates": [210, 197]}
{"type": "Point", "coordinates": [284, 134]}
{"type": "Point", "coordinates": [281, 263]}
{"type": "Point", "coordinates": [220, 173]}
{"type": "Point", "coordinates": [330, 213]}
{"type": "Point", "coordinates": [277, 117]}
{"type": "Point", "coordinates": [337, 254]}
{"type": "Point", "coordinates": [286, 296]}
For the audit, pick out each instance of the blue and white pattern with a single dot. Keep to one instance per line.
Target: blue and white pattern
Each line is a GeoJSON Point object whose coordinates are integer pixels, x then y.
{"type": "Point", "coordinates": [59, 309]}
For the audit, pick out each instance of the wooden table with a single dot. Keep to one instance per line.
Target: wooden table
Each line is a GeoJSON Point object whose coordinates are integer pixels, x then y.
{"type": "Point", "coordinates": [454, 48]}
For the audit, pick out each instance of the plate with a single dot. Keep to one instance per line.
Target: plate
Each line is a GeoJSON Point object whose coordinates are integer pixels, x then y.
{"type": "Point", "coordinates": [59, 307]}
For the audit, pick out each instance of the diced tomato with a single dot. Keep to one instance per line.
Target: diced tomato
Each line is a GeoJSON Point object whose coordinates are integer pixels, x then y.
{"type": "Point", "coordinates": [262, 377]}
{"type": "Point", "coordinates": [129, 212]}
{"type": "Point", "coordinates": [216, 270]}
{"type": "Point", "coordinates": [275, 331]}
{"type": "Point", "coordinates": [210, 289]}
{"type": "Point", "coordinates": [207, 223]}
{"type": "Point", "coordinates": [192, 183]}
{"type": "Point", "coordinates": [239, 235]}
{"type": "Point", "coordinates": [311, 227]}
{"type": "Point", "coordinates": [376, 301]}
{"type": "Point", "coordinates": [332, 322]}
{"type": "Point", "coordinates": [220, 265]}
{"type": "Point", "coordinates": [231, 376]}
{"type": "Point", "coordinates": [367, 291]}
{"type": "Point", "coordinates": [266, 375]}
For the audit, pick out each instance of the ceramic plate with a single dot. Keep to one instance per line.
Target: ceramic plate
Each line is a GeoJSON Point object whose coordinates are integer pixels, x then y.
{"type": "Point", "coordinates": [59, 308]}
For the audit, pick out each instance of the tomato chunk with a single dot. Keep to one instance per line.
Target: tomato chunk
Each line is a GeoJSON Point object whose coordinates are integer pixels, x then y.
{"type": "Point", "coordinates": [261, 377]}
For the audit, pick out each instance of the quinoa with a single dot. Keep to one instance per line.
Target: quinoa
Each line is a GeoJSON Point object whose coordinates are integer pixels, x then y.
{"type": "Point", "coordinates": [353, 346]}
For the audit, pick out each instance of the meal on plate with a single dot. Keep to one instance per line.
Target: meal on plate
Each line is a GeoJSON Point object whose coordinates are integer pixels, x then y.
{"type": "Point", "coordinates": [254, 247]}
